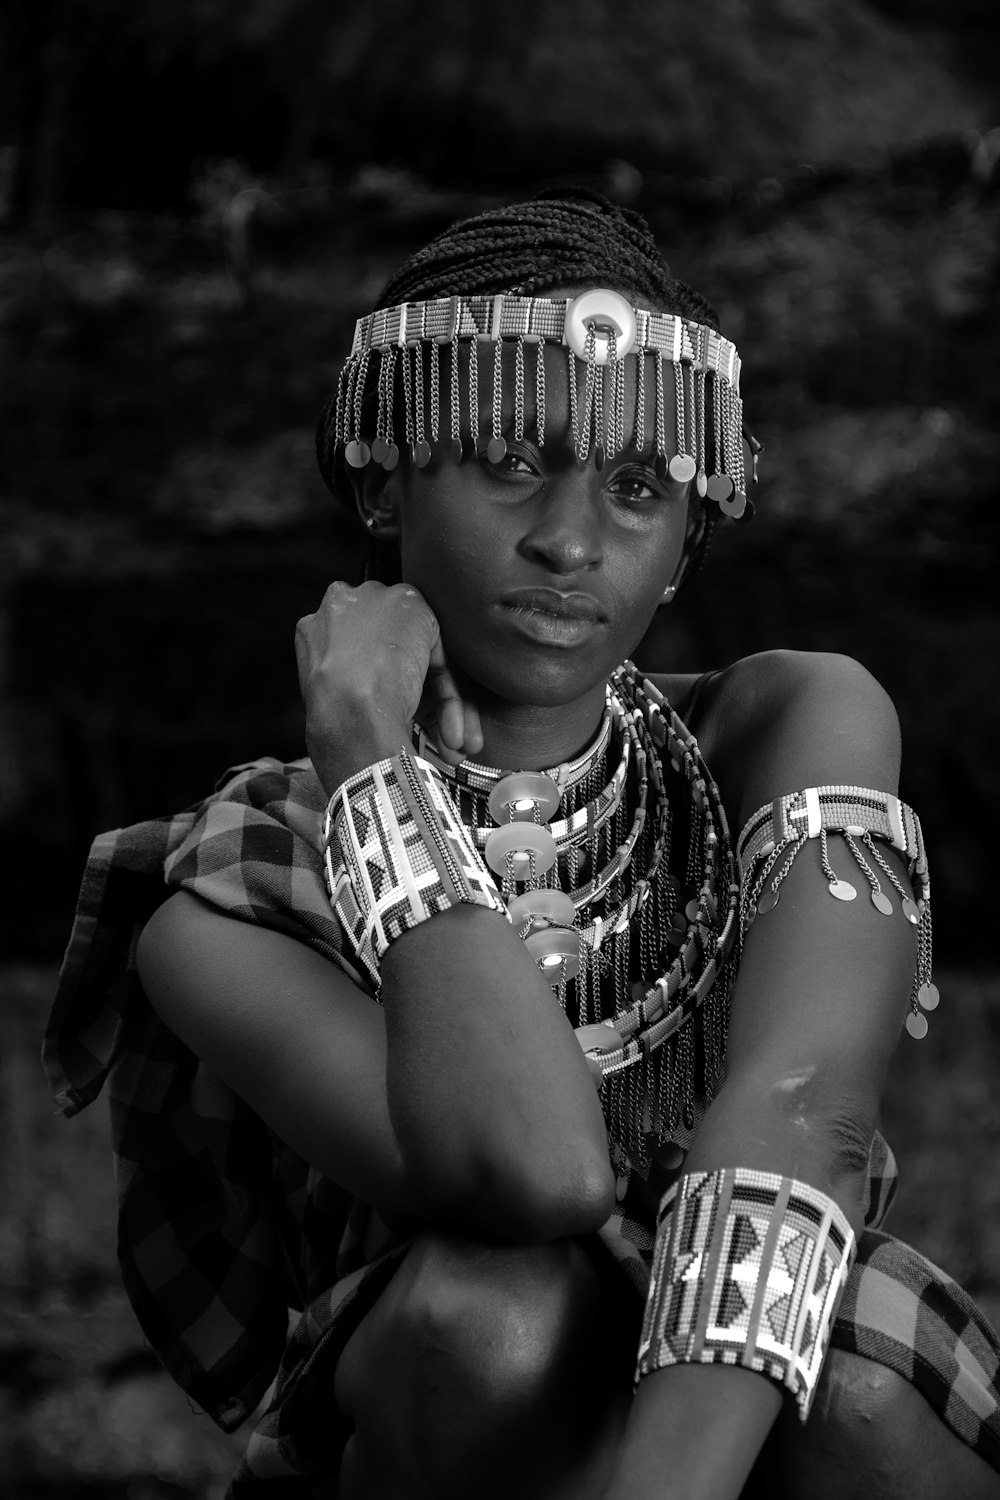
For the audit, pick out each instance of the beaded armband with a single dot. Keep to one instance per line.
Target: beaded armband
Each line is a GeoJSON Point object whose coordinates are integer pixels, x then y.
{"type": "Point", "coordinates": [748, 1270]}
{"type": "Point", "coordinates": [772, 838]}
{"type": "Point", "coordinates": [396, 853]}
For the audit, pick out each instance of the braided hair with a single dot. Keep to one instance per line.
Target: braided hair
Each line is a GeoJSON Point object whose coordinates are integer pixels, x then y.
{"type": "Point", "coordinates": [563, 236]}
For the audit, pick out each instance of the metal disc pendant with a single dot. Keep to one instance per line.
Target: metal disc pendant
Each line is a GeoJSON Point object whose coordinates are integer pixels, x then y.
{"type": "Point", "coordinates": [357, 454]}
{"type": "Point", "coordinates": [556, 951]}
{"type": "Point", "coordinates": [672, 1156]}
{"type": "Point", "coordinates": [719, 487]}
{"type": "Point", "coordinates": [767, 902]}
{"type": "Point", "coordinates": [531, 849]}
{"type": "Point", "coordinates": [621, 1186]}
{"type": "Point", "coordinates": [422, 453]}
{"type": "Point", "coordinates": [391, 458]}
{"type": "Point", "coordinates": [916, 1025]}
{"type": "Point", "coordinates": [515, 797]}
{"type": "Point", "coordinates": [747, 512]}
{"type": "Point", "coordinates": [496, 450]}
{"type": "Point", "coordinates": [551, 905]}
{"type": "Point", "coordinates": [379, 450]}
{"type": "Point", "coordinates": [929, 996]}
{"type": "Point", "coordinates": [911, 911]}
{"type": "Point", "coordinates": [843, 890]}
{"type": "Point", "coordinates": [456, 451]}
{"type": "Point", "coordinates": [682, 468]}
{"type": "Point", "coordinates": [701, 484]}
{"type": "Point", "coordinates": [735, 505]}
{"type": "Point", "coordinates": [881, 903]}
{"type": "Point", "coordinates": [598, 457]}
{"type": "Point", "coordinates": [661, 466]}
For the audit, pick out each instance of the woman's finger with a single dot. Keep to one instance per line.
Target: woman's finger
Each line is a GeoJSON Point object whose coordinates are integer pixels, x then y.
{"type": "Point", "coordinates": [449, 708]}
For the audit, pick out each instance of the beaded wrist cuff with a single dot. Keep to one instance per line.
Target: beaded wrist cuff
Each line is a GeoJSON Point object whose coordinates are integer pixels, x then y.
{"type": "Point", "coordinates": [771, 839]}
{"type": "Point", "coordinates": [748, 1270]}
{"type": "Point", "coordinates": [396, 853]}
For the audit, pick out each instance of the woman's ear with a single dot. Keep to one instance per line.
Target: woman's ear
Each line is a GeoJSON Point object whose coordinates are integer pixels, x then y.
{"type": "Point", "coordinates": [376, 497]}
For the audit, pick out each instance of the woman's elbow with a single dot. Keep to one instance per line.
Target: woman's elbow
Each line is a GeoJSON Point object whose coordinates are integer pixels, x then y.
{"type": "Point", "coordinates": [527, 1200]}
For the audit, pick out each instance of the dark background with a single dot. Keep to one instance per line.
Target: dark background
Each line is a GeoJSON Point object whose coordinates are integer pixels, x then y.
{"type": "Point", "coordinates": [196, 201]}
{"type": "Point", "coordinates": [199, 199]}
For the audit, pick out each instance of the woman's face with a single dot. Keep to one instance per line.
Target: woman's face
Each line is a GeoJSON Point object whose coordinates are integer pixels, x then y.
{"type": "Point", "coordinates": [543, 572]}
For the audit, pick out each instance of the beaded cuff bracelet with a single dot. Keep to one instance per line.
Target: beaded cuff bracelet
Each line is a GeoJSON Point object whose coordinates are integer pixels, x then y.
{"type": "Point", "coordinates": [396, 853]}
{"type": "Point", "coordinates": [748, 1269]}
{"type": "Point", "coordinates": [771, 839]}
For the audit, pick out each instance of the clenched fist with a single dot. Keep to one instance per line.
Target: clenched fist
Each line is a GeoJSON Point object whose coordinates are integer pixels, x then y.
{"type": "Point", "coordinates": [371, 661]}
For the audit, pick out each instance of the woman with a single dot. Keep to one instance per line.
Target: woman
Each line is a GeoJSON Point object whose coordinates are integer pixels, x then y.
{"type": "Point", "coordinates": [540, 428]}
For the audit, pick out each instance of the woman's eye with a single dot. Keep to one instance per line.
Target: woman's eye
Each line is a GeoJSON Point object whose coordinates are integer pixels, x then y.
{"type": "Point", "coordinates": [513, 465]}
{"type": "Point", "coordinates": [633, 484]}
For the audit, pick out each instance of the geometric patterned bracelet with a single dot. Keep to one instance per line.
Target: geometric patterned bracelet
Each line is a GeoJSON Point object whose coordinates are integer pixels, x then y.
{"type": "Point", "coordinates": [748, 1269]}
{"type": "Point", "coordinates": [397, 853]}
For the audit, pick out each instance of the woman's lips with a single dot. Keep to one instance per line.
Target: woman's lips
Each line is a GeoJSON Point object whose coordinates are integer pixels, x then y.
{"type": "Point", "coordinates": [552, 617]}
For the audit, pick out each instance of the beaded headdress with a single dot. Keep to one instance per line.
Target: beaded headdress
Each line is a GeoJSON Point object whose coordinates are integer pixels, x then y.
{"type": "Point", "coordinates": [687, 384]}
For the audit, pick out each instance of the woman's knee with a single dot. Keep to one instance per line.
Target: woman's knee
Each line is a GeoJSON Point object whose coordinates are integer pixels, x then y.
{"type": "Point", "coordinates": [499, 1321]}
{"type": "Point", "coordinates": [475, 1350]}
{"type": "Point", "coordinates": [872, 1434]}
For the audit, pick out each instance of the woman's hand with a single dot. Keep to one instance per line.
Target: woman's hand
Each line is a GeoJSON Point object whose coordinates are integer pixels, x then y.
{"type": "Point", "coordinates": [371, 660]}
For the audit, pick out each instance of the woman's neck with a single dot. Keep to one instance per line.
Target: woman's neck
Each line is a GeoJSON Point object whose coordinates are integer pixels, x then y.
{"type": "Point", "coordinates": [532, 737]}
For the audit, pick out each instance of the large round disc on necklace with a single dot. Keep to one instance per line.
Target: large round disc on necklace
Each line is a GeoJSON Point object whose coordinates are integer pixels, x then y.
{"type": "Point", "coordinates": [554, 906]}
{"type": "Point", "coordinates": [524, 849]}
{"type": "Point", "coordinates": [767, 902]}
{"type": "Point", "coordinates": [599, 1037]}
{"type": "Point", "coordinates": [516, 796]}
{"type": "Point", "coordinates": [455, 450]}
{"type": "Point", "coordinates": [496, 450]}
{"type": "Point", "coordinates": [379, 450]}
{"type": "Point", "coordinates": [391, 458]}
{"type": "Point", "coordinates": [916, 1025]}
{"type": "Point", "coordinates": [556, 951]}
{"type": "Point", "coordinates": [422, 453]}
{"type": "Point", "coordinates": [881, 903]}
{"type": "Point", "coordinates": [357, 453]}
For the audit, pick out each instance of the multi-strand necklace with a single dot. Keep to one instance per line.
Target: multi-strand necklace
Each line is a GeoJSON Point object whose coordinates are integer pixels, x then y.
{"type": "Point", "coordinates": [617, 868]}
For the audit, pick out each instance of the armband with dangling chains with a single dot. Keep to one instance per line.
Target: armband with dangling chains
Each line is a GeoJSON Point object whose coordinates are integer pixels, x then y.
{"type": "Point", "coordinates": [748, 1270]}
{"type": "Point", "coordinates": [396, 853]}
{"type": "Point", "coordinates": [776, 833]}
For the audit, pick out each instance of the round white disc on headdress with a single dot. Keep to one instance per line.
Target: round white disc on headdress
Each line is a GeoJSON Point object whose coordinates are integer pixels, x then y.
{"type": "Point", "coordinates": [602, 310]}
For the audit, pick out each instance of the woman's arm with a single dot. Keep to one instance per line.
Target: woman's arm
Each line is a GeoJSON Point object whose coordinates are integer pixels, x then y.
{"type": "Point", "coordinates": [466, 1097]}
{"type": "Point", "coordinates": [820, 997]}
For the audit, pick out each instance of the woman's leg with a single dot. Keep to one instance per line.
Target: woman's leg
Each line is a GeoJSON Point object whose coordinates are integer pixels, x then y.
{"type": "Point", "coordinates": [871, 1435]}
{"type": "Point", "coordinates": [489, 1370]}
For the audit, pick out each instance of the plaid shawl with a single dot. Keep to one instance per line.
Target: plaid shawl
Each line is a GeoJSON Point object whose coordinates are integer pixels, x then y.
{"type": "Point", "coordinates": [222, 1228]}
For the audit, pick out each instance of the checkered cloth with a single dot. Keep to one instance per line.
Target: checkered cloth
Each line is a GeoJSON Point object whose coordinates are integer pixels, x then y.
{"type": "Point", "coordinates": [222, 1228]}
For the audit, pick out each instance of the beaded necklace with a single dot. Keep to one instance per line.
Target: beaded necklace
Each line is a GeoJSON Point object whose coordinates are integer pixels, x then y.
{"type": "Point", "coordinates": [627, 899]}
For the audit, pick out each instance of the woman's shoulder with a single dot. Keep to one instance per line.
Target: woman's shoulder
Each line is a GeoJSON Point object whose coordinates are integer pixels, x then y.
{"type": "Point", "coordinates": [785, 717]}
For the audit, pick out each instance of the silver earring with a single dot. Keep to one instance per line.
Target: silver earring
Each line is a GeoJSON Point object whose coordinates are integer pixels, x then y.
{"type": "Point", "coordinates": [370, 522]}
{"type": "Point", "coordinates": [667, 597]}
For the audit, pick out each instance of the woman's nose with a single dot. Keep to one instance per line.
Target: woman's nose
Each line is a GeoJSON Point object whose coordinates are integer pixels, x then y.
{"type": "Point", "coordinates": [565, 534]}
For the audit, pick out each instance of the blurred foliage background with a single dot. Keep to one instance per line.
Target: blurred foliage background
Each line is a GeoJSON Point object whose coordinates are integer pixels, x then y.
{"type": "Point", "coordinates": [196, 201]}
